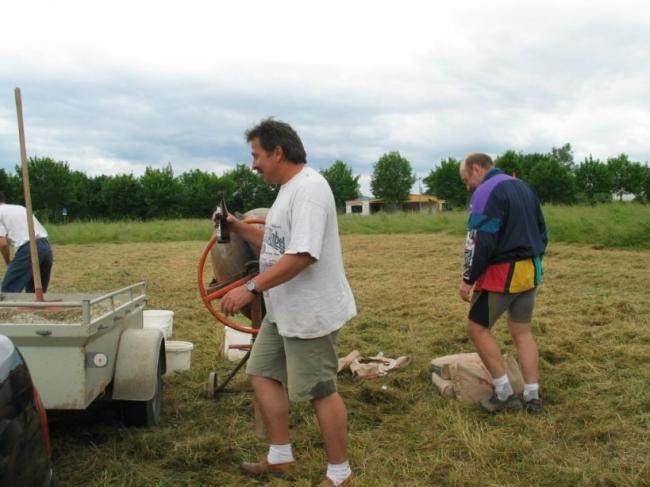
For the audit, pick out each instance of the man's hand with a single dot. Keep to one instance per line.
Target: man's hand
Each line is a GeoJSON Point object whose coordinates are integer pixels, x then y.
{"type": "Point", "coordinates": [235, 300]}
{"type": "Point", "coordinates": [464, 291]}
{"type": "Point", "coordinates": [233, 221]}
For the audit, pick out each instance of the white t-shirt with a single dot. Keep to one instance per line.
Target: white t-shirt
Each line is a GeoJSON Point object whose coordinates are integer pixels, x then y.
{"type": "Point", "coordinates": [302, 219]}
{"type": "Point", "coordinates": [13, 225]}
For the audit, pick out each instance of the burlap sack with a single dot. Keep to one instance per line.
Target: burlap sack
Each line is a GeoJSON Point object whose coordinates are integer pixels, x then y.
{"type": "Point", "coordinates": [464, 376]}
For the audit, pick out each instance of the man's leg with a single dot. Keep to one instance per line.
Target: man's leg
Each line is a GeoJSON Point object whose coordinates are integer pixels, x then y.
{"type": "Point", "coordinates": [274, 408]}
{"type": "Point", "coordinates": [46, 261]}
{"type": "Point", "coordinates": [333, 421]}
{"type": "Point", "coordinates": [527, 353]}
{"type": "Point", "coordinates": [487, 348]}
{"type": "Point", "coordinates": [19, 272]}
{"type": "Point", "coordinates": [520, 315]}
{"type": "Point", "coordinates": [485, 310]}
{"type": "Point", "coordinates": [311, 374]}
{"type": "Point", "coordinates": [267, 371]}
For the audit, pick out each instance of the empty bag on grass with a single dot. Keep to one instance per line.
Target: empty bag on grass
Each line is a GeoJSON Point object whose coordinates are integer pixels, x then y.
{"type": "Point", "coordinates": [464, 376]}
{"type": "Point", "coordinates": [371, 367]}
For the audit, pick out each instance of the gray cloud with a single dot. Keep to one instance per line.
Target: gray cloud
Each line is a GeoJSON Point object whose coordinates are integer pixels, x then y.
{"type": "Point", "coordinates": [489, 80]}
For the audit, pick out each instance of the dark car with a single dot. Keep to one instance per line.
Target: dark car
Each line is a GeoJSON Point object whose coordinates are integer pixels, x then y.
{"type": "Point", "coordinates": [24, 435]}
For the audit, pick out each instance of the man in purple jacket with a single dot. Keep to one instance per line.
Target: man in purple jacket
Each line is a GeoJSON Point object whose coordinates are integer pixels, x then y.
{"type": "Point", "coordinates": [506, 239]}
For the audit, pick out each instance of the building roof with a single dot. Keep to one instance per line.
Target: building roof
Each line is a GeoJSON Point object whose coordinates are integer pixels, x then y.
{"type": "Point", "coordinates": [412, 198]}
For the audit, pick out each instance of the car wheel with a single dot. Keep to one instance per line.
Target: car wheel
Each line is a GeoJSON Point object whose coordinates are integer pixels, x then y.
{"type": "Point", "coordinates": [146, 413]}
{"type": "Point", "coordinates": [54, 481]}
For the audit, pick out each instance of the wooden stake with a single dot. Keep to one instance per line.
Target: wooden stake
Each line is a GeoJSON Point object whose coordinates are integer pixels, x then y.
{"type": "Point", "coordinates": [33, 251]}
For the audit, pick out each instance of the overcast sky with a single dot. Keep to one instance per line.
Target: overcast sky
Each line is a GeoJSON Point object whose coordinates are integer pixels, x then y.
{"type": "Point", "coordinates": [113, 87]}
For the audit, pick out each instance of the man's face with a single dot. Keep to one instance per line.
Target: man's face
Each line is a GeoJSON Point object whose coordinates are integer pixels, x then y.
{"type": "Point", "coordinates": [471, 177]}
{"type": "Point", "coordinates": [265, 163]}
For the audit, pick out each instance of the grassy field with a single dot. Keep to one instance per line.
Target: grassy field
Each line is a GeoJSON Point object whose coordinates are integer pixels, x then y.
{"type": "Point", "coordinates": [593, 327]}
{"type": "Point", "coordinates": [613, 225]}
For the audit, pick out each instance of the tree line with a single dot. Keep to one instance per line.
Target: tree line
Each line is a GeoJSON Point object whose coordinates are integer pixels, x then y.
{"type": "Point", "coordinates": [159, 193]}
{"type": "Point", "coordinates": [555, 177]}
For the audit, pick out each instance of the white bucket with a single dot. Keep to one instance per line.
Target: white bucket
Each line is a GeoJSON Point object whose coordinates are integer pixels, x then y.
{"type": "Point", "coordinates": [161, 319]}
{"type": "Point", "coordinates": [178, 355]}
{"type": "Point", "coordinates": [234, 337]}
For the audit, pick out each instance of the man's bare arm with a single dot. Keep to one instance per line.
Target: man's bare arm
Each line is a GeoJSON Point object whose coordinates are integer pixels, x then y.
{"type": "Point", "coordinates": [286, 268]}
{"type": "Point", "coordinates": [4, 250]}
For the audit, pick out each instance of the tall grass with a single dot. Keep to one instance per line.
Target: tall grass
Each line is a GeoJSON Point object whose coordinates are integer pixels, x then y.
{"type": "Point", "coordinates": [130, 231]}
{"type": "Point", "coordinates": [624, 225]}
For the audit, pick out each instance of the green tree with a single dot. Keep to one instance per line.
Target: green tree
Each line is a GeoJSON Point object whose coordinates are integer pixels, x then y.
{"type": "Point", "coordinates": [564, 155]}
{"type": "Point", "coordinates": [511, 162]}
{"type": "Point", "coordinates": [392, 178]}
{"type": "Point", "coordinates": [646, 183]}
{"type": "Point", "coordinates": [10, 185]}
{"type": "Point", "coordinates": [344, 185]}
{"type": "Point", "coordinates": [162, 193]}
{"type": "Point", "coordinates": [553, 181]}
{"type": "Point", "coordinates": [201, 192]}
{"type": "Point", "coordinates": [593, 181]}
{"type": "Point", "coordinates": [122, 197]}
{"type": "Point", "coordinates": [626, 176]}
{"type": "Point", "coordinates": [529, 161]}
{"type": "Point", "coordinates": [444, 182]}
{"type": "Point", "coordinates": [85, 200]}
{"type": "Point", "coordinates": [249, 190]}
{"type": "Point", "coordinates": [50, 182]}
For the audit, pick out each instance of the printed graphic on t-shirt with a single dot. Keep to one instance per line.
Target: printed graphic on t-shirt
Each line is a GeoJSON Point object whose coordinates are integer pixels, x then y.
{"type": "Point", "coordinates": [274, 240]}
{"type": "Point", "coordinates": [272, 248]}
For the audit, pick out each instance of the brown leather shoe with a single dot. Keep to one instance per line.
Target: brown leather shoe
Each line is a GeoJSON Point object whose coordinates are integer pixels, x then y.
{"type": "Point", "coordinates": [349, 482]}
{"type": "Point", "coordinates": [265, 468]}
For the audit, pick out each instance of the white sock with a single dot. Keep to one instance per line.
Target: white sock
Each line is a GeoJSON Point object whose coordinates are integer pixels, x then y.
{"type": "Point", "coordinates": [337, 473]}
{"type": "Point", "coordinates": [531, 391]}
{"type": "Point", "coordinates": [502, 387]}
{"type": "Point", "coordinates": [280, 454]}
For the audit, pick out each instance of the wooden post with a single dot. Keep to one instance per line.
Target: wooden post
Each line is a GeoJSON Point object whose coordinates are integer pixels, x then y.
{"type": "Point", "coordinates": [33, 251]}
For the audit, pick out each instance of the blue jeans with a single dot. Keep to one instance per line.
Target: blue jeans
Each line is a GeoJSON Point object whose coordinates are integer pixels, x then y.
{"type": "Point", "coordinates": [19, 273]}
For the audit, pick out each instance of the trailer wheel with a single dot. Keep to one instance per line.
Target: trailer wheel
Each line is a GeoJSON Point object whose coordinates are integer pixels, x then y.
{"type": "Point", "coordinates": [145, 413]}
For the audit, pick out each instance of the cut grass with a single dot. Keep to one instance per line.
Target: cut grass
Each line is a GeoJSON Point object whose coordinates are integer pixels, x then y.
{"type": "Point", "coordinates": [592, 324]}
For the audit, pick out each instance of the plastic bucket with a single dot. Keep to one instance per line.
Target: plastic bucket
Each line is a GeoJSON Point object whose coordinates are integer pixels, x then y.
{"type": "Point", "coordinates": [178, 355]}
{"type": "Point", "coordinates": [234, 337]}
{"type": "Point", "coordinates": [161, 319]}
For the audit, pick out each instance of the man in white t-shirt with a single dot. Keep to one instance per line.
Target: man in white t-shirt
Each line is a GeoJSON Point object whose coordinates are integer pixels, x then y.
{"type": "Point", "coordinates": [308, 299]}
{"type": "Point", "coordinates": [14, 230]}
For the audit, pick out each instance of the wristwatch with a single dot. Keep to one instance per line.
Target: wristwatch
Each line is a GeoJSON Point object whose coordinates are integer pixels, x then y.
{"type": "Point", "coordinates": [250, 285]}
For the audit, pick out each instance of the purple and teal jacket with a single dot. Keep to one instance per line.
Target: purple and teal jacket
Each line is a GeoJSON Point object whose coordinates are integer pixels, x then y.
{"type": "Point", "coordinates": [506, 236]}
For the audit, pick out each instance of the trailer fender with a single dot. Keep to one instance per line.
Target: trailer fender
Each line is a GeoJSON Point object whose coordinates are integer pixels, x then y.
{"type": "Point", "coordinates": [136, 365]}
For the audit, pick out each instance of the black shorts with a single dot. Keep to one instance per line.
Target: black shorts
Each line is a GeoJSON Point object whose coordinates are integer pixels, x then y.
{"type": "Point", "coordinates": [487, 307]}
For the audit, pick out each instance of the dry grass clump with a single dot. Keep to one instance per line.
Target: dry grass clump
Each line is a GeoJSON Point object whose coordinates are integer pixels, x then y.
{"type": "Point", "coordinates": [593, 327]}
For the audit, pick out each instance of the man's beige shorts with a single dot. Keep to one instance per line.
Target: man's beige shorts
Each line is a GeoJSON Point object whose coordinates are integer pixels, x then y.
{"type": "Point", "coordinates": [306, 366]}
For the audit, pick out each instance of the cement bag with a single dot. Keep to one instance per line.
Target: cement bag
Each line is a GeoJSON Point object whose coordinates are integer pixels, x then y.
{"type": "Point", "coordinates": [371, 367]}
{"type": "Point", "coordinates": [464, 376]}
{"type": "Point", "coordinates": [234, 259]}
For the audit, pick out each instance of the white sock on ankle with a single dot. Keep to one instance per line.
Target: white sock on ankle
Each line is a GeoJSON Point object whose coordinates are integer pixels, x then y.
{"type": "Point", "coordinates": [531, 391]}
{"type": "Point", "coordinates": [338, 472]}
{"type": "Point", "coordinates": [502, 387]}
{"type": "Point", "coordinates": [280, 454]}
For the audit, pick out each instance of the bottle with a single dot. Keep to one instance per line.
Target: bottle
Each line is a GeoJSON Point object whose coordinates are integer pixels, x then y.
{"type": "Point", "coordinates": [224, 230]}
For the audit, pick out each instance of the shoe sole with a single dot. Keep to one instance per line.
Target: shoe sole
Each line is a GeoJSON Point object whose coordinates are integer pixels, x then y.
{"type": "Point", "coordinates": [508, 407]}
